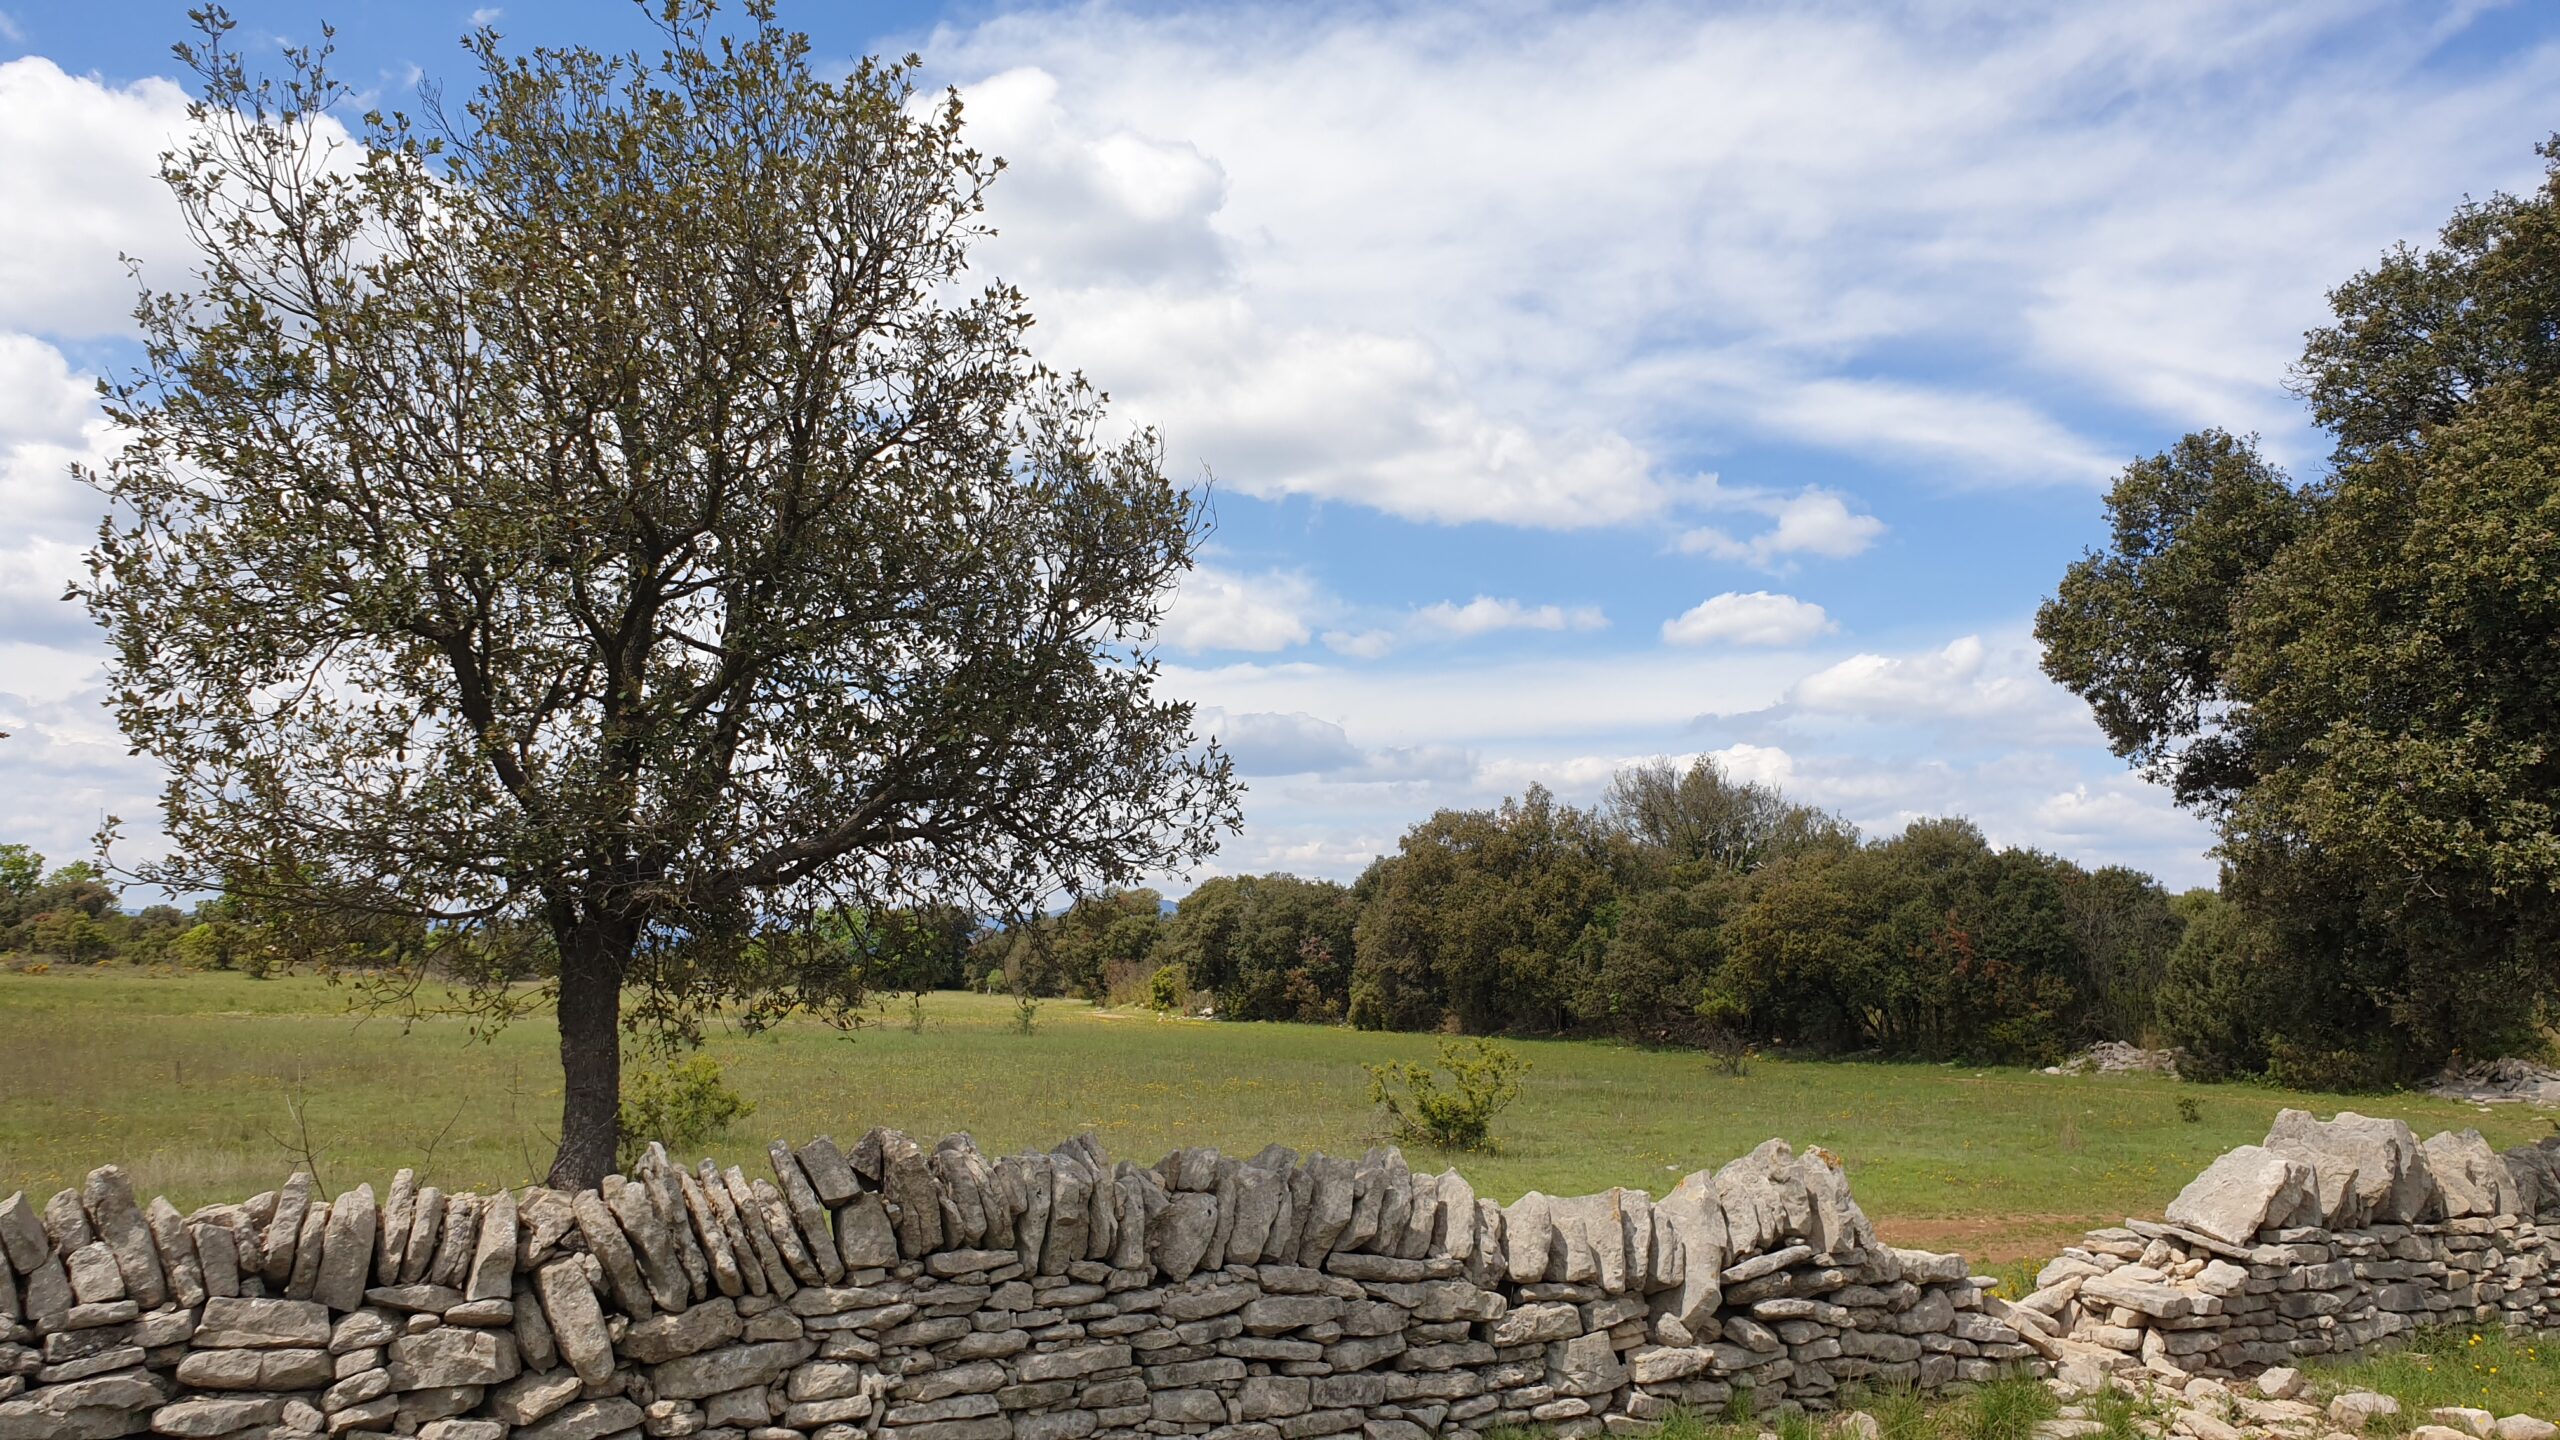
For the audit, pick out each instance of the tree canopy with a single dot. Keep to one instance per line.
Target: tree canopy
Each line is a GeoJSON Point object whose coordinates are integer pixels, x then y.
{"type": "Point", "coordinates": [2358, 678]}
{"type": "Point", "coordinates": [611, 513]}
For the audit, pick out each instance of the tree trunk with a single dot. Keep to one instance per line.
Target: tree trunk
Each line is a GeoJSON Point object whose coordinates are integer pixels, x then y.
{"type": "Point", "coordinates": [593, 957]}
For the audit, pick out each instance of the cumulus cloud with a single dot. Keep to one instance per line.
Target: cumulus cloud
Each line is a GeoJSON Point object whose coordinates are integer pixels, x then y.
{"type": "Point", "coordinates": [1813, 521]}
{"type": "Point", "coordinates": [1360, 644]}
{"type": "Point", "coordinates": [1215, 609]}
{"type": "Point", "coordinates": [1262, 743]}
{"type": "Point", "coordinates": [1970, 686]}
{"type": "Point", "coordinates": [81, 188]}
{"type": "Point", "coordinates": [1486, 614]}
{"type": "Point", "coordinates": [1755, 618]}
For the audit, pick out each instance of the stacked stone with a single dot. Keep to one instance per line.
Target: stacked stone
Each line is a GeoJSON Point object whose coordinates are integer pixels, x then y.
{"type": "Point", "coordinates": [2329, 1239]}
{"type": "Point", "coordinates": [889, 1292]}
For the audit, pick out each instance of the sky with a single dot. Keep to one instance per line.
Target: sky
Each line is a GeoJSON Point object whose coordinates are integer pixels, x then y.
{"type": "Point", "coordinates": [1576, 384]}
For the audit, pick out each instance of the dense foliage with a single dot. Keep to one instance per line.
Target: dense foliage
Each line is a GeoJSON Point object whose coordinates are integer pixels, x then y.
{"type": "Point", "coordinates": [608, 512]}
{"type": "Point", "coordinates": [2358, 678]}
{"type": "Point", "coordinates": [1688, 907]}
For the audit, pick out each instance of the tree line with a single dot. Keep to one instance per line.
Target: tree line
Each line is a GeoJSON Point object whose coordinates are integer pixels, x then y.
{"type": "Point", "coordinates": [1687, 907]}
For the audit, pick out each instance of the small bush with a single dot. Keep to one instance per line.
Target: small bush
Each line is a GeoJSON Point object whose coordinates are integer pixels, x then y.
{"type": "Point", "coordinates": [1723, 1035]}
{"type": "Point", "coordinates": [1483, 1079]}
{"type": "Point", "coordinates": [1026, 1012]}
{"type": "Point", "coordinates": [2189, 1111]}
{"type": "Point", "coordinates": [1164, 989]}
{"type": "Point", "coordinates": [681, 1103]}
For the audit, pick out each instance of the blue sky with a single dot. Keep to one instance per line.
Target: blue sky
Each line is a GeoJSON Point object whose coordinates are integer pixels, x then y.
{"type": "Point", "coordinates": [1580, 383]}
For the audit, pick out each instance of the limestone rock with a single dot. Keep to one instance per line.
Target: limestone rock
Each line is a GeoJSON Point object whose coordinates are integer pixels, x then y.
{"type": "Point", "coordinates": [808, 1214]}
{"type": "Point", "coordinates": [2469, 1176]}
{"type": "Point", "coordinates": [176, 1244]}
{"type": "Point", "coordinates": [262, 1324]}
{"type": "Point", "coordinates": [456, 1243]}
{"type": "Point", "coordinates": [284, 1232]}
{"type": "Point", "coordinates": [450, 1356]}
{"type": "Point", "coordinates": [612, 1249]}
{"type": "Point", "coordinates": [66, 1223]}
{"type": "Point", "coordinates": [1529, 1237]}
{"type": "Point", "coordinates": [915, 1201]}
{"type": "Point", "coordinates": [720, 1262]}
{"type": "Point", "coordinates": [2280, 1383]}
{"type": "Point", "coordinates": [586, 1420]}
{"type": "Point", "coordinates": [348, 1250]}
{"type": "Point", "coordinates": [1179, 1234]}
{"type": "Point", "coordinates": [667, 1337]}
{"type": "Point", "coordinates": [577, 1322]}
{"type": "Point", "coordinates": [308, 1251]}
{"type": "Point", "coordinates": [660, 1269]}
{"type": "Point", "coordinates": [426, 1227]}
{"type": "Point", "coordinates": [108, 1197]}
{"type": "Point", "coordinates": [1764, 1199]}
{"type": "Point", "coordinates": [734, 1367]}
{"type": "Point", "coordinates": [1693, 1216]}
{"type": "Point", "coordinates": [828, 1173]}
{"type": "Point", "coordinates": [492, 1272]}
{"type": "Point", "coordinates": [2369, 1171]}
{"type": "Point", "coordinates": [97, 1408]}
{"type": "Point", "coordinates": [209, 1415]}
{"type": "Point", "coordinates": [2244, 1190]}
{"type": "Point", "coordinates": [865, 1239]}
{"type": "Point", "coordinates": [533, 1395]}
{"type": "Point", "coordinates": [2352, 1411]}
{"type": "Point", "coordinates": [391, 1230]}
{"type": "Point", "coordinates": [23, 1242]}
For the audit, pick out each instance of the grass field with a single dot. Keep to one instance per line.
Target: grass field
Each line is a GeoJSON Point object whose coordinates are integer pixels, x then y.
{"type": "Point", "coordinates": [194, 1083]}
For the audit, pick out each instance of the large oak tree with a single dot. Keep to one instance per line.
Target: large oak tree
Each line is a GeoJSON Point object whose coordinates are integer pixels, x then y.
{"type": "Point", "coordinates": [2358, 678]}
{"type": "Point", "coordinates": [609, 512]}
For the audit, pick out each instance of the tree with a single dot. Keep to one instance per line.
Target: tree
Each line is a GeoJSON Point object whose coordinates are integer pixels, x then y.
{"type": "Point", "coordinates": [1484, 915]}
{"type": "Point", "coordinates": [607, 509]}
{"type": "Point", "coordinates": [1268, 947]}
{"type": "Point", "coordinates": [2359, 679]}
{"type": "Point", "coordinates": [2123, 929]}
{"type": "Point", "coordinates": [1701, 820]}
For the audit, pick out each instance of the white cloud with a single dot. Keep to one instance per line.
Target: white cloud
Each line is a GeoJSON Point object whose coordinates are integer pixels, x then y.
{"type": "Point", "coordinates": [1267, 744]}
{"type": "Point", "coordinates": [1979, 688]}
{"type": "Point", "coordinates": [1936, 682]}
{"type": "Point", "coordinates": [1813, 521]}
{"type": "Point", "coordinates": [1926, 236]}
{"type": "Point", "coordinates": [486, 15]}
{"type": "Point", "coordinates": [1486, 614]}
{"type": "Point", "coordinates": [1360, 644]}
{"type": "Point", "coordinates": [1214, 609]}
{"type": "Point", "coordinates": [82, 186]}
{"type": "Point", "coordinates": [1755, 618]}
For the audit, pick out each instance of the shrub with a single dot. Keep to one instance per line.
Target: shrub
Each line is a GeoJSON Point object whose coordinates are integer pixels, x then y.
{"type": "Point", "coordinates": [1483, 1079]}
{"type": "Point", "coordinates": [1164, 989]}
{"type": "Point", "coordinates": [680, 1103]}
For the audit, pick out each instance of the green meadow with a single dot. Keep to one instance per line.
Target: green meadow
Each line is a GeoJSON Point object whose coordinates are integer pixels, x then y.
{"type": "Point", "coordinates": [209, 1087]}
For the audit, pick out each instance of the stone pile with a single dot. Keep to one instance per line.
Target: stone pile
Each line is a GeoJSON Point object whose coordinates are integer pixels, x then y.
{"type": "Point", "coordinates": [2329, 1239]}
{"type": "Point", "coordinates": [891, 1292]}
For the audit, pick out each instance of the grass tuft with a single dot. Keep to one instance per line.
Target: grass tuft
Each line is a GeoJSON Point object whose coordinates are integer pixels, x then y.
{"type": "Point", "coordinates": [2008, 1409]}
{"type": "Point", "coordinates": [2484, 1369]}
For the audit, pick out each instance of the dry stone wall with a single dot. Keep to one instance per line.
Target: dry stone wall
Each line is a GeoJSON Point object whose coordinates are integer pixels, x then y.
{"type": "Point", "coordinates": [892, 1292]}
{"type": "Point", "coordinates": [2330, 1238]}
